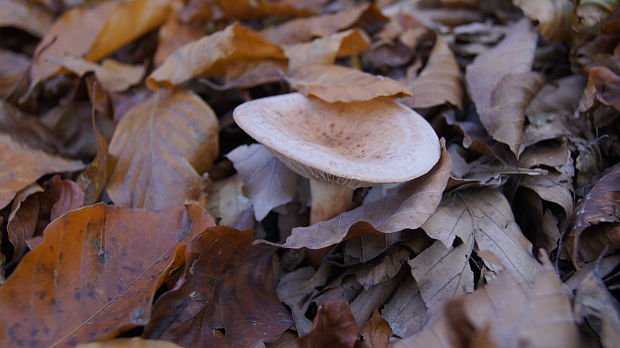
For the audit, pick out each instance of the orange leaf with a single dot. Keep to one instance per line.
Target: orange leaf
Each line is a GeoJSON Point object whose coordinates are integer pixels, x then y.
{"type": "Point", "coordinates": [334, 83]}
{"type": "Point", "coordinates": [160, 147]}
{"type": "Point", "coordinates": [95, 274]}
{"type": "Point", "coordinates": [210, 55]}
{"type": "Point", "coordinates": [21, 165]}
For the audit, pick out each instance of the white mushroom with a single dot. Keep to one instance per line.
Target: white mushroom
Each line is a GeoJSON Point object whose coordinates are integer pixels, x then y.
{"type": "Point", "coordinates": [341, 146]}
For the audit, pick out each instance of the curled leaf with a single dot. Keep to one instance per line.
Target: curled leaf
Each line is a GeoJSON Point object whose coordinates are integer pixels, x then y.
{"type": "Point", "coordinates": [554, 16]}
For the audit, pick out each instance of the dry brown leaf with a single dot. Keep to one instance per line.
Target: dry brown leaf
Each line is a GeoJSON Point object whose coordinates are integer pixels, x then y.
{"type": "Point", "coordinates": [603, 87]}
{"type": "Point", "coordinates": [227, 201]}
{"type": "Point", "coordinates": [405, 311]}
{"type": "Point", "coordinates": [505, 118]}
{"type": "Point", "coordinates": [440, 81]}
{"type": "Point", "coordinates": [248, 9]}
{"type": "Point", "coordinates": [377, 332]}
{"type": "Point", "coordinates": [68, 196]}
{"type": "Point", "coordinates": [333, 326]}
{"type": "Point", "coordinates": [513, 55]}
{"type": "Point", "coordinates": [250, 73]}
{"type": "Point", "coordinates": [134, 342]}
{"type": "Point", "coordinates": [486, 215]}
{"type": "Point", "coordinates": [371, 274]}
{"type": "Point", "coordinates": [268, 182]}
{"type": "Point", "coordinates": [13, 71]}
{"type": "Point", "coordinates": [554, 16]}
{"type": "Point", "coordinates": [334, 83]}
{"type": "Point", "coordinates": [209, 55]}
{"type": "Point", "coordinates": [175, 33]}
{"type": "Point", "coordinates": [21, 165]}
{"type": "Point", "coordinates": [596, 226]}
{"type": "Point", "coordinates": [293, 291]}
{"type": "Point", "coordinates": [407, 206]}
{"type": "Point", "coordinates": [596, 304]}
{"type": "Point", "coordinates": [27, 129]}
{"type": "Point", "coordinates": [325, 50]}
{"type": "Point", "coordinates": [368, 246]}
{"type": "Point", "coordinates": [110, 259]}
{"type": "Point", "coordinates": [443, 273]}
{"type": "Point", "coordinates": [22, 221]}
{"type": "Point", "coordinates": [114, 76]}
{"type": "Point", "coordinates": [94, 178]}
{"type": "Point", "coordinates": [540, 316]}
{"type": "Point", "coordinates": [370, 300]}
{"type": "Point", "coordinates": [93, 33]}
{"type": "Point", "coordinates": [226, 296]}
{"type": "Point", "coordinates": [366, 17]}
{"type": "Point", "coordinates": [156, 167]}
{"type": "Point", "coordinates": [26, 16]}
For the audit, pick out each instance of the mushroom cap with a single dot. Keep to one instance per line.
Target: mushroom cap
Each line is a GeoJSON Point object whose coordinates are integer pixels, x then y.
{"type": "Point", "coordinates": [353, 144]}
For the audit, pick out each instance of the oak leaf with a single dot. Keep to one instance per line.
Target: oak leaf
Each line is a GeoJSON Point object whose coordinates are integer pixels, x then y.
{"type": "Point", "coordinates": [96, 273]}
{"type": "Point", "coordinates": [156, 167]}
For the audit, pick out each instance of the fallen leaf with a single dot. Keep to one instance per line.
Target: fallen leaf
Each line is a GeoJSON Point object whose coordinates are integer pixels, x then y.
{"type": "Point", "coordinates": [157, 168]}
{"type": "Point", "coordinates": [605, 266]}
{"type": "Point", "coordinates": [227, 201]}
{"type": "Point", "coordinates": [554, 16]}
{"type": "Point", "coordinates": [226, 297]}
{"type": "Point", "coordinates": [94, 178]}
{"type": "Point", "coordinates": [113, 76]}
{"type": "Point", "coordinates": [22, 221]}
{"type": "Point", "coordinates": [370, 300]}
{"type": "Point", "coordinates": [597, 209]}
{"type": "Point", "coordinates": [22, 165]}
{"type": "Point", "coordinates": [209, 55]}
{"type": "Point", "coordinates": [371, 274]}
{"type": "Point", "coordinates": [26, 16]}
{"type": "Point", "coordinates": [603, 87]}
{"type": "Point", "coordinates": [268, 182]}
{"type": "Point", "coordinates": [596, 304]}
{"type": "Point", "coordinates": [376, 332]}
{"type": "Point", "coordinates": [368, 246]}
{"type": "Point", "coordinates": [93, 33]}
{"type": "Point", "coordinates": [408, 206]}
{"type": "Point", "coordinates": [367, 17]}
{"type": "Point", "coordinates": [95, 241]}
{"type": "Point", "coordinates": [540, 316]}
{"type": "Point", "coordinates": [134, 342]}
{"type": "Point", "coordinates": [443, 273]}
{"type": "Point", "coordinates": [292, 291]}
{"type": "Point", "coordinates": [440, 81]}
{"type": "Point", "coordinates": [68, 196]}
{"type": "Point", "coordinates": [334, 83]}
{"type": "Point", "coordinates": [250, 73]}
{"type": "Point", "coordinates": [485, 75]}
{"type": "Point", "coordinates": [175, 33]}
{"type": "Point", "coordinates": [505, 118]}
{"type": "Point", "coordinates": [333, 326]}
{"type": "Point", "coordinates": [13, 72]}
{"type": "Point", "coordinates": [247, 9]}
{"type": "Point", "coordinates": [325, 50]}
{"type": "Point", "coordinates": [405, 311]}
{"type": "Point", "coordinates": [27, 129]}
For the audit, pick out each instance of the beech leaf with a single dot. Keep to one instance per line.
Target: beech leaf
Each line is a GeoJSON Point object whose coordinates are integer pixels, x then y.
{"type": "Point", "coordinates": [333, 325]}
{"type": "Point", "coordinates": [268, 182]}
{"type": "Point", "coordinates": [160, 147]}
{"type": "Point", "coordinates": [74, 298]}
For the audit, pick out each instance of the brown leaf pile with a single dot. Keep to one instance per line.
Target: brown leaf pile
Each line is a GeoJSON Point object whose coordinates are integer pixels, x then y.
{"type": "Point", "coordinates": [135, 212]}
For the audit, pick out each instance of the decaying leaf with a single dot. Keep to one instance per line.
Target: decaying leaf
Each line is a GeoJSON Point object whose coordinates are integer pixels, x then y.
{"type": "Point", "coordinates": [539, 316]}
{"type": "Point", "coordinates": [226, 297]}
{"type": "Point", "coordinates": [405, 311]}
{"type": "Point", "coordinates": [333, 326]}
{"type": "Point", "coordinates": [554, 16]}
{"type": "Point", "coordinates": [22, 221]}
{"type": "Point", "coordinates": [21, 165]}
{"type": "Point", "coordinates": [603, 87]}
{"type": "Point", "coordinates": [156, 167]}
{"type": "Point", "coordinates": [485, 75]}
{"type": "Point", "coordinates": [209, 55]}
{"type": "Point", "coordinates": [26, 16]}
{"type": "Point", "coordinates": [440, 81]}
{"type": "Point", "coordinates": [326, 50]}
{"type": "Point", "coordinates": [334, 83]}
{"type": "Point", "coordinates": [247, 9]}
{"type": "Point", "coordinates": [113, 76]}
{"type": "Point", "coordinates": [94, 178]}
{"type": "Point", "coordinates": [594, 302]}
{"type": "Point", "coordinates": [175, 33]}
{"type": "Point", "coordinates": [74, 299]}
{"type": "Point", "coordinates": [407, 206]}
{"type": "Point", "coordinates": [596, 227]}
{"type": "Point", "coordinates": [377, 332]}
{"type": "Point", "coordinates": [13, 72]}
{"type": "Point", "coordinates": [268, 182]}
{"type": "Point", "coordinates": [227, 201]}
{"type": "Point", "coordinates": [27, 129]}
{"type": "Point", "coordinates": [305, 29]}
{"type": "Point", "coordinates": [134, 342]}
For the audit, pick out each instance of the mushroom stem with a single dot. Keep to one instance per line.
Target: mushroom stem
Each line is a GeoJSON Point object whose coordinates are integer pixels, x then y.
{"type": "Point", "coordinates": [328, 200]}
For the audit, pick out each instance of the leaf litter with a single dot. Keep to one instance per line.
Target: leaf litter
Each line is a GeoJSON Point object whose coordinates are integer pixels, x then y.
{"type": "Point", "coordinates": [134, 212]}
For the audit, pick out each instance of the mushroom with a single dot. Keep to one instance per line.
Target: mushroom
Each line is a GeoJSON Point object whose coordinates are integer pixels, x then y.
{"type": "Point", "coordinates": [341, 146]}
